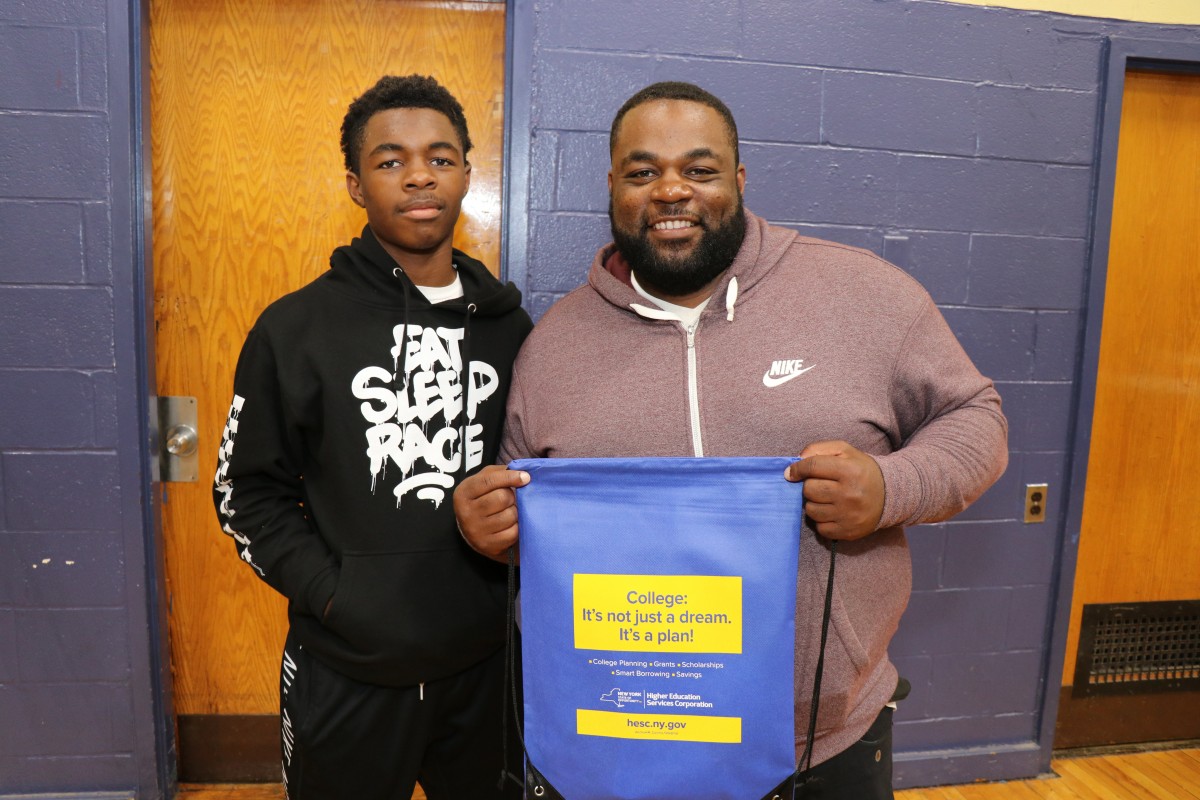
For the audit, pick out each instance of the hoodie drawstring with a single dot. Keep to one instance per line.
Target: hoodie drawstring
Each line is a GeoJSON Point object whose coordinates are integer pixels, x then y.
{"type": "Point", "coordinates": [466, 384]}
{"type": "Point", "coordinates": [402, 362]}
{"type": "Point", "coordinates": [731, 298]}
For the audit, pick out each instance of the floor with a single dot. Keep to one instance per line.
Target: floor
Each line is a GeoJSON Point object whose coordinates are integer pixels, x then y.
{"type": "Point", "coordinates": [1156, 775]}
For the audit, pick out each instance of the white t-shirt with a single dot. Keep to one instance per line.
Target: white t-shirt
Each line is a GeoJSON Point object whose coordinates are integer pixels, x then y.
{"type": "Point", "coordinates": [440, 294]}
{"type": "Point", "coordinates": [687, 316]}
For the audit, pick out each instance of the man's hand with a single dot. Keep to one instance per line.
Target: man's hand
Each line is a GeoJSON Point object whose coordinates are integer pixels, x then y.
{"type": "Point", "coordinates": [486, 507]}
{"type": "Point", "coordinates": [843, 489]}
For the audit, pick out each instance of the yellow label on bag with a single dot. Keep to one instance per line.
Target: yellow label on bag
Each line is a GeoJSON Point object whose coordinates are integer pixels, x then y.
{"type": "Point", "coordinates": [660, 613]}
{"type": "Point", "coordinates": [668, 727]}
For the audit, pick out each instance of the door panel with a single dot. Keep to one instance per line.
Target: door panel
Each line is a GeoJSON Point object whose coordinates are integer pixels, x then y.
{"type": "Point", "coordinates": [1138, 540]}
{"type": "Point", "coordinates": [249, 199]}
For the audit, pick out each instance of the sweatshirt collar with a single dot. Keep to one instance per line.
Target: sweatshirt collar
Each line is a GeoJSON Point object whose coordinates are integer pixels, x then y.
{"type": "Point", "coordinates": [365, 270]}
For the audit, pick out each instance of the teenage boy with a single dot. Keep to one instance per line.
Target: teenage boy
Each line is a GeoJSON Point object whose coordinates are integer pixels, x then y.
{"type": "Point", "coordinates": [360, 401]}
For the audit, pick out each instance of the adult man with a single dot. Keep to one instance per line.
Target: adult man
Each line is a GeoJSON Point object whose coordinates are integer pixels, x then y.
{"type": "Point", "coordinates": [359, 401]}
{"type": "Point", "coordinates": [706, 331]}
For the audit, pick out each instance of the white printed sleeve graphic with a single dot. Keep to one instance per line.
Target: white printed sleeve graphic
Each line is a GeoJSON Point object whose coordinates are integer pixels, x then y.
{"type": "Point", "coordinates": [224, 485]}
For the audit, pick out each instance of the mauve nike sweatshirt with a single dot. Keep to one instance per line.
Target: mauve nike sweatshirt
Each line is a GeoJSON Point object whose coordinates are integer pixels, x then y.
{"type": "Point", "coordinates": [803, 341]}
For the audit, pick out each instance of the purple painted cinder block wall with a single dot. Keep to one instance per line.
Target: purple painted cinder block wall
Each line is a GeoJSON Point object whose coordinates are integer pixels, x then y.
{"type": "Point", "coordinates": [957, 141]}
{"type": "Point", "coordinates": [75, 679]}
{"type": "Point", "coordinates": [960, 143]}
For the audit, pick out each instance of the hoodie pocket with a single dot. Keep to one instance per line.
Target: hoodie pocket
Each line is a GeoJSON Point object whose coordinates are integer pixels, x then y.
{"type": "Point", "coordinates": [439, 609]}
{"type": "Point", "coordinates": [846, 664]}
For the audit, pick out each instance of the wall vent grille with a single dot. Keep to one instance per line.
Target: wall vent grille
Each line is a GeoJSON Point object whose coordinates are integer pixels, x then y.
{"type": "Point", "coordinates": [1130, 648]}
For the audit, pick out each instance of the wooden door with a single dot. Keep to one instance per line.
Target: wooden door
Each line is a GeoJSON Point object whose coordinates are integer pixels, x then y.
{"type": "Point", "coordinates": [249, 198]}
{"type": "Point", "coordinates": [1139, 540]}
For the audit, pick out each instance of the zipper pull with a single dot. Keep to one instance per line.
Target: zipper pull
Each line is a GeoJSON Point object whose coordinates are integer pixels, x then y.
{"type": "Point", "coordinates": [422, 690]}
{"type": "Point", "coordinates": [691, 336]}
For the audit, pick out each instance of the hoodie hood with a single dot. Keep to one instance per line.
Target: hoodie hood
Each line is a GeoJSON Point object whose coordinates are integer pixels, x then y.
{"type": "Point", "coordinates": [762, 248]}
{"type": "Point", "coordinates": [365, 271]}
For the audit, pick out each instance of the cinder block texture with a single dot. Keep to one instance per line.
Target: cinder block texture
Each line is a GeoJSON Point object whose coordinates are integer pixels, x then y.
{"type": "Point", "coordinates": [73, 646]}
{"type": "Point", "coordinates": [954, 621]}
{"type": "Point", "coordinates": [1027, 272]}
{"type": "Point", "coordinates": [895, 112]}
{"type": "Point", "coordinates": [42, 775]}
{"type": "Point", "coordinates": [1058, 347]}
{"type": "Point", "coordinates": [918, 38]}
{"type": "Point", "coordinates": [984, 684]}
{"type": "Point", "coordinates": [64, 12]}
{"type": "Point", "coordinates": [1002, 553]}
{"type": "Point", "coordinates": [583, 165]}
{"type": "Point", "coordinates": [61, 491]}
{"type": "Point", "coordinates": [989, 196]}
{"type": "Point", "coordinates": [53, 156]}
{"type": "Point", "coordinates": [9, 667]}
{"type": "Point", "coordinates": [104, 408]}
{"type": "Point", "coordinates": [582, 91]}
{"type": "Point", "coordinates": [648, 27]}
{"type": "Point", "coordinates": [65, 719]}
{"type": "Point", "coordinates": [566, 246]}
{"type": "Point", "coordinates": [1037, 415]}
{"type": "Point", "coordinates": [46, 408]}
{"type": "Point", "coordinates": [41, 67]}
{"type": "Point", "coordinates": [43, 242]}
{"type": "Point", "coordinates": [999, 342]}
{"type": "Point", "coordinates": [93, 73]}
{"type": "Point", "coordinates": [52, 570]}
{"type": "Point", "coordinates": [1049, 125]}
{"type": "Point", "coordinates": [962, 731]}
{"type": "Point", "coordinates": [770, 102]}
{"type": "Point", "coordinates": [97, 228]}
{"type": "Point", "coordinates": [820, 184]}
{"type": "Point", "coordinates": [56, 327]}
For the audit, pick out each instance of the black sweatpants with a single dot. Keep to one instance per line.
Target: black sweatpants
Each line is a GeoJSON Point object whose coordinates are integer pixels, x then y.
{"type": "Point", "coordinates": [345, 739]}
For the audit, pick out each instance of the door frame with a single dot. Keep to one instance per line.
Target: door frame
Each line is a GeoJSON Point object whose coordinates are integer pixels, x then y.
{"type": "Point", "coordinates": [1122, 54]}
{"type": "Point", "coordinates": [133, 305]}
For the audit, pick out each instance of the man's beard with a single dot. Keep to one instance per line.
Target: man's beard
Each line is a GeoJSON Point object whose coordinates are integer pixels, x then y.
{"type": "Point", "coordinates": [659, 269]}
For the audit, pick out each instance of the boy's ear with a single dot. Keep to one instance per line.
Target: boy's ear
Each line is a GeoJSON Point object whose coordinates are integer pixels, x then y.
{"type": "Point", "coordinates": [467, 182]}
{"type": "Point", "coordinates": [355, 189]}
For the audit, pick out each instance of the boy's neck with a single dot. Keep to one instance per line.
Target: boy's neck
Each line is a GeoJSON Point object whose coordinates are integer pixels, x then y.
{"type": "Point", "coordinates": [431, 268]}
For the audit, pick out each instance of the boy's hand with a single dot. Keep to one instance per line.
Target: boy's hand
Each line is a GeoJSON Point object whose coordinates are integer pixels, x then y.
{"type": "Point", "coordinates": [486, 507]}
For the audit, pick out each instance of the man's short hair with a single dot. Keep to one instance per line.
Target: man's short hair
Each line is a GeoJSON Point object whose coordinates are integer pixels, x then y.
{"type": "Point", "coordinates": [392, 91]}
{"type": "Point", "coordinates": [676, 90]}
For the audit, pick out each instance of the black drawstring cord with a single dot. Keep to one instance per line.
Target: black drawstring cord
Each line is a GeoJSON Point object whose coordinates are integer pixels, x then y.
{"type": "Point", "coordinates": [402, 362]}
{"type": "Point", "coordinates": [465, 378]}
{"type": "Point", "coordinates": [806, 758]}
{"type": "Point", "coordinates": [510, 678]}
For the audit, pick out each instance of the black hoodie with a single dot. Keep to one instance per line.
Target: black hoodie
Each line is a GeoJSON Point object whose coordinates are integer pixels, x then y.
{"type": "Point", "coordinates": [342, 451]}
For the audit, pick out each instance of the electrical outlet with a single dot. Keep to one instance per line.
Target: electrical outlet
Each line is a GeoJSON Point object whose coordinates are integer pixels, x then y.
{"type": "Point", "coordinates": [1035, 502]}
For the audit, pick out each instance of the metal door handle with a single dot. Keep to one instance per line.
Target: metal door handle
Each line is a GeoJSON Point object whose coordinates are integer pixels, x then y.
{"type": "Point", "coordinates": [182, 440]}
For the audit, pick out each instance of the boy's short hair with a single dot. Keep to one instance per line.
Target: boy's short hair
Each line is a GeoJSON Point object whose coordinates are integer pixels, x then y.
{"type": "Point", "coordinates": [392, 91]}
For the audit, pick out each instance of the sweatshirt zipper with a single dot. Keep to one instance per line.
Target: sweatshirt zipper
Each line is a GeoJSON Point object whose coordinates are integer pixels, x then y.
{"type": "Point", "coordinates": [694, 390]}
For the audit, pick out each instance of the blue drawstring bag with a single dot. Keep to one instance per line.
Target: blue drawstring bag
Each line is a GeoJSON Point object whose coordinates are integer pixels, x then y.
{"type": "Point", "coordinates": [658, 600]}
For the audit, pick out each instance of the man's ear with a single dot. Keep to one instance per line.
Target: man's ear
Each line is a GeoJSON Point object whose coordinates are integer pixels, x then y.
{"type": "Point", "coordinates": [355, 189]}
{"type": "Point", "coordinates": [610, 182]}
{"type": "Point", "coordinates": [741, 178]}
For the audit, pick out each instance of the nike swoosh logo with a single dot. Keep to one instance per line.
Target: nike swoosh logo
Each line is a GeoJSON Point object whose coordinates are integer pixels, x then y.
{"type": "Point", "coordinates": [771, 383]}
